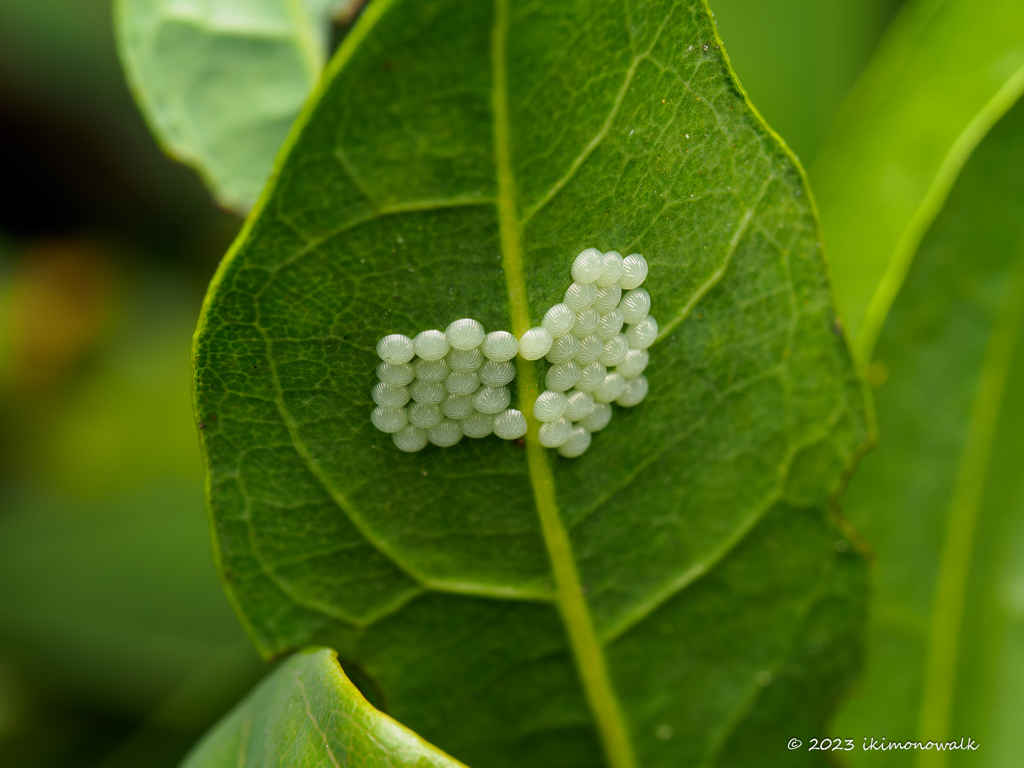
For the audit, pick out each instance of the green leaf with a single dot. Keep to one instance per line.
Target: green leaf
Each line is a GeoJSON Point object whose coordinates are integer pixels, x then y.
{"type": "Point", "coordinates": [799, 59]}
{"type": "Point", "coordinates": [109, 596]}
{"type": "Point", "coordinates": [942, 498]}
{"type": "Point", "coordinates": [308, 713]}
{"type": "Point", "coordinates": [924, 103]}
{"type": "Point", "coordinates": [675, 596]}
{"type": "Point", "coordinates": [220, 82]}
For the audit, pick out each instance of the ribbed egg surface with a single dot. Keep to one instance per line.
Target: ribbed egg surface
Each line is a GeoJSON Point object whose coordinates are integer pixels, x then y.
{"type": "Point", "coordinates": [441, 386]}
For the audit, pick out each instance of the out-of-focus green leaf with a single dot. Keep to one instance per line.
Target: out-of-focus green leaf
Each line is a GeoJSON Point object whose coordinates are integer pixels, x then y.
{"type": "Point", "coordinates": [308, 713]}
{"type": "Point", "coordinates": [110, 600]}
{"type": "Point", "coordinates": [946, 72]}
{"type": "Point", "coordinates": [221, 81]}
{"type": "Point", "coordinates": [798, 59]}
{"type": "Point", "coordinates": [942, 498]}
{"type": "Point", "coordinates": [675, 595]}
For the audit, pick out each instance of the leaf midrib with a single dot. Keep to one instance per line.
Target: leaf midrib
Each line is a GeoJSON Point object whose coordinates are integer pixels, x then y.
{"type": "Point", "coordinates": [587, 650]}
{"type": "Point", "coordinates": [881, 301]}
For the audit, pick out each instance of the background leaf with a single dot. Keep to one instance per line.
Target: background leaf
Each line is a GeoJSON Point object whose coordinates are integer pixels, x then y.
{"type": "Point", "coordinates": [113, 627]}
{"type": "Point", "coordinates": [679, 594]}
{"type": "Point", "coordinates": [925, 101]}
{"type": "Point", "coordinates": [941, 499]}
{"type": "Point", "coordinates": [221, 81]}
{"type": "Point", "coordinates": [798, 59]}
{"type": "Point", "coordinates": [308, 713]}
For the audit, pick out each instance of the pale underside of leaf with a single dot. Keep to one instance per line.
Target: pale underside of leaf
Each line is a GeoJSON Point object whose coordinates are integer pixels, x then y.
{"type": "Point", "coordinates": [220, 81]}
{"type": "Point", "coordinates": [308, 713]}
{"type": "Point", "coordinates": [386, 222]}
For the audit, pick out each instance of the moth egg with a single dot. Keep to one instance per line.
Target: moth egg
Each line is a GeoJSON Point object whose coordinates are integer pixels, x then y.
{"type": "Point", "coordinates": [431, 345]}
{"type": "Point", "coordinates": [611, 268]}
{"type": "Point", "coordinates": [425, 415]}
{"type": "Point", "coordinates": [598, 417]}
{"type": "Point", "coordinates": [609, 389]}
{"type": "Point", "coordinates": [389, 419]}
{"type": "Point", "coordinates": [590, 349]}
{"type": "Point", "coordinates": [553, 433]}
{"type": "Point", "coordinates": [586, 267]}
{"type": "Point", "coordinates": [410, 439]}
{"type": "Point", "coordinates": [634, 271]}
{"type": "Point", "coordinates": [396, 349]}
{"type": "Point", "coordinates": [389, 396]}
{"type": "Point", "coordinates": [576, 445]}
{"type": "Point", "coordinates": [535, 343]}
{"type": "Point", "coordinates": [458, 406]}
{"type": "Point", "coordinates": [477, 425]}
{"type": "Point", "coordinates": [500, 346]}
{"type": "Point", "coordinates": [580, 296]}
{"type": "Point", "coordinates": [510, 424]}
{"type": "Point", "coordinates": [549, 406]}
{"type": "Point", "coordinates": [398, 374]}
{"type": "Point", "coordinates": [634, 392]}
{"type": "Point", "coordinates": [635, 305]}
{"type": "Point", "coordinates": [446, 434]}
{"type": "Point", "coordinates": [558, 320]}
{"type": "Point", "coordinates": [578, 405]}
{"type": "Point", "coordinates": [615, 350]}
{"type": "Point", "coordinates": [464, 360]}
{"type": "Point", "coordinates": [465, 334]}
{"type": "Point", "coordinates": [591, 377]}
{"type": "Point", "coordinates": [634, 363]}
{"type": "Point", "coordinates": [462, 383]}
{"type": "Point", "coordinates": [432, 392]}
{"type": "Point", "coordinates": [610, 325]}
{"type": "Point", "coordinates": [431, 370]}
{"type": "Point", "coordinates": [495, 374]}
{"type": "Point", "coordinates": [586, 323]}
{"type": "Point", "coordinates": [643, 334]}
{"type": "Point", "coordinates": [562, 377]}
{"type": "Point", "coordinates": [492, 399]}
{"type": "Point", "coordinates": [607, 298]}
{"type": "Point", "coordinates": [563, 349]}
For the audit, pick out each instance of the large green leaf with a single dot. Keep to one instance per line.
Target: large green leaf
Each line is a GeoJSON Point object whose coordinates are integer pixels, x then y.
{"type": "Point", "coordinates": [221, 81]}
{"type": "Point", "coordinates": [308, 713]}
{"type": "Point", "coordinates": [924, 103]}
{"type": "Point", "coordinates": [677, 595]}
{"type": "Point", "coordinates": [942, 498]}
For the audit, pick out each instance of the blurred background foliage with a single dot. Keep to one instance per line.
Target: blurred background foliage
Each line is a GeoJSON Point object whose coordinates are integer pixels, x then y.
{"type": "Point", "coordinates": [117, 645]}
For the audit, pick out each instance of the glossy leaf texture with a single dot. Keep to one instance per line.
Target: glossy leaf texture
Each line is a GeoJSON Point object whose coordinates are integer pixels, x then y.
{"type": "Point", "coordinates": [673, 597]}
{"type": "Point", "coordinates": [220, 82]}
{"type": "Point", "coordinates": [914, 118]}
{"type": "Point", "coordinates": [941, 499]}
{"type": "Point", "coordinates": [308, 713]}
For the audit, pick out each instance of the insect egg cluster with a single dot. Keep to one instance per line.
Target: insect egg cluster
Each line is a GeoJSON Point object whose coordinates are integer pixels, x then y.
{"type": "Point", "coordinates": [441, 386]}
{"type": "Point", "coordinates": [596, 341]}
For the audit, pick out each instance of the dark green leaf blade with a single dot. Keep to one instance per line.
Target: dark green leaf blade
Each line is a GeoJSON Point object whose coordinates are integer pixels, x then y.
{"type": "Point", "coordinates": [516, 607]}
{"type": "Point", "coordinates": [308, 713]}
{"type": "Point", "coordinates": [941, 499]}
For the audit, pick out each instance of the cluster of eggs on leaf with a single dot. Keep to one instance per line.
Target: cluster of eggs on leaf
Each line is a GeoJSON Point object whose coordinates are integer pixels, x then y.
{"type": "Point", "coordinates": [441, 386]}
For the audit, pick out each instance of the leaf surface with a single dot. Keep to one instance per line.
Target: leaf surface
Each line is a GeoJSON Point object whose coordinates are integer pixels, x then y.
{"type": "Point", "coordinates": [220, 82]}
{"type": "Point", "coordinates": [942, 498]}
{"type": "Point", "coordinates": [308, 713]}
{"type": "Point", "coordinates": [673, 597]}
{"type": "Point", "coordinates": [945, 73]}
